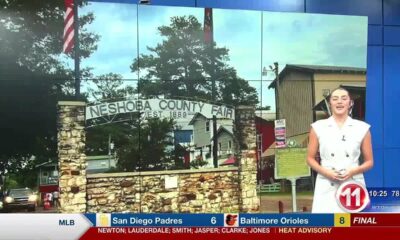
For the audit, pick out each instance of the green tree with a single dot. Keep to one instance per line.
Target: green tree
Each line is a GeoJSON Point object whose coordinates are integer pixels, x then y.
{"type": "Point", "coordinates": [33, 77]}
{"type": "Point", "coordinates": [31, 35]}
{"type": "Point", "coordinates": [140, 144]}
{"type": "Point", "coordinates": [109, 86]}
{"type": "Point", "coordinates": [147, 147]}
{"type": "Point", "coordinates": [182, 65]}
{"type": "Point", "coordinates": [28, 119]}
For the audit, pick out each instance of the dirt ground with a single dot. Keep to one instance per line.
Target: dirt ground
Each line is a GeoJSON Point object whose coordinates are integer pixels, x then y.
{"type": "Point", "coordinates": [270, 204]}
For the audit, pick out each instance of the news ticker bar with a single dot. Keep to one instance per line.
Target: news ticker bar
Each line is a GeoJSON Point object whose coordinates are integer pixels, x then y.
{"type": "Point", "coordinates": [270, 233]}
{"type": "Point", "coordinates": [244, 220]}
{"type": "Point", "coordinates": [74, 226]}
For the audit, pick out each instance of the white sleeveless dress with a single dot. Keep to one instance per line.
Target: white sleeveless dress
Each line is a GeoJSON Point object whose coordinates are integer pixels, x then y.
{"type": "Point", "coordinates": [340, 148]}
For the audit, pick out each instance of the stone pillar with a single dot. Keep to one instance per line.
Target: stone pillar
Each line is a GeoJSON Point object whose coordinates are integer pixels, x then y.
{"type": "Point", "coordinates": [71, 156]}
{"type": "Point", "coordinates": [245, 132]}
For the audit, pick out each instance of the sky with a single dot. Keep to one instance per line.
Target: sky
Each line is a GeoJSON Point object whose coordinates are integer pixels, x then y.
{"type": "Point", "coordinates": [255, 39]}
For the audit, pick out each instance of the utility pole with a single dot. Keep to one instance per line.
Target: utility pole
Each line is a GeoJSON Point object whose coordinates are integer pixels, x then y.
{"type": "Point", "coordinates": [276, 71]}
{"type": "Point", "coordinates": [209, 40]}
{"type": "Point", "coordinates": [215, 142]}
{"type": "Point", "coordinates": [214, 118]}
{"type": "Point", "coordinates": [109, 150]}
{"type": "Point", "coordinates": [77, 51]}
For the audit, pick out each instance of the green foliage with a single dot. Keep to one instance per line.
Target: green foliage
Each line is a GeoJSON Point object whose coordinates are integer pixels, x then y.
{"type": "Point", "coordinates": [109, 87]}
{"type": "Point", "coordinates": [31, 34]}
{"type": "Point", "coordinates": [20, 177]}
{"type": "Point", "coordinates": [139, 144]}
{"type": "Point", "coordinates": [12, 183]}
{"type": "Point", "coordinates": [150, 148]}
{"type": "Point", "coordinates": [33, 77]}
{"type": "Point", "coordinates": [198, 162]}
{"type": "Point", "coordinates": [28, 118]}
{"type": "Point", "coordinates": [182, 65]}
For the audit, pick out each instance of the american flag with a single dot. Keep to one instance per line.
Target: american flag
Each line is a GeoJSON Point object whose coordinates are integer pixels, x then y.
{"type": "Point", "coordinates": [208, 25]}
{"type": "Point", "coordinates": [68, 26]}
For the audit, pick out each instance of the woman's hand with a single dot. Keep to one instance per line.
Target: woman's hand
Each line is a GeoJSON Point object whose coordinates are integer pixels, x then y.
{"type": "Point", "coordinates": [331, 174]}
{"type": "Point", "coordinates": [347, 174]}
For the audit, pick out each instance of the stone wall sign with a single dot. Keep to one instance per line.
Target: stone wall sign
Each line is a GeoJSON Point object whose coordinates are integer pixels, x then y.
{"type": "Point", "coordinates": [171, 182]}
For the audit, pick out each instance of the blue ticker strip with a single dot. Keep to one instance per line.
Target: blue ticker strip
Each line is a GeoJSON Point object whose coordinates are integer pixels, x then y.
{"type": "Point", "coordinates": [286, 220]}
{"type": "Point", "coordinates": [383, 200]}
{"type": "Point", "coordinates": [216, 220]}
{"type": "Point", "coordinates": [167, 220]}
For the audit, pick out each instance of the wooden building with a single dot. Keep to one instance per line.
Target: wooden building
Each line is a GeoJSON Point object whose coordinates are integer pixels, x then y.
{"type": "Point", "coordinates": [303, 87]}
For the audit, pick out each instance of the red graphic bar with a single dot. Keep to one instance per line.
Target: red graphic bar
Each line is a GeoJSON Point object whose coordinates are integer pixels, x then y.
{"type": "Point", "coordinates": [375, 219]}
{"type": "Point", "coordinates": [270, 233]}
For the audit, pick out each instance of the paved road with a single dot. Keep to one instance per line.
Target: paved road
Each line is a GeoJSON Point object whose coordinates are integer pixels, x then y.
{"type": "Point", "coordinates": [41, 210]}
{"type": "Point", "coordinates": [38, 210]}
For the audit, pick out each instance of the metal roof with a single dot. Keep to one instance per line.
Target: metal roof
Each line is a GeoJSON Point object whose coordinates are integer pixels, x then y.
{"type": "Point", "coordinates": [317, 68]}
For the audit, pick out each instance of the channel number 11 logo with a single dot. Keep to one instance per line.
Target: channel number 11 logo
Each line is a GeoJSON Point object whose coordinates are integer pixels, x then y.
{"type": "Point", "coordinates": [352, 196]}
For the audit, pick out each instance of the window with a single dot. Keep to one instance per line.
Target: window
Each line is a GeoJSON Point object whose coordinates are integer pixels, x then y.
{"type": "Point", "coordinates": [207, 125]}
{"type": "Point", "coordinates": [230, 145]}
{"type": "Point", "coordinates": [219, 146]}
{"type": "Point", "coordinates": [209, 151]}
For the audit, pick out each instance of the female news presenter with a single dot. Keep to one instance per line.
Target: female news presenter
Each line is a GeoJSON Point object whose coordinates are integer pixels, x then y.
{"type": "Point", "coordinates": [340, 141]}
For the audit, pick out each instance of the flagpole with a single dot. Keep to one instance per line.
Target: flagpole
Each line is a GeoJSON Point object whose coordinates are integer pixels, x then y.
{"type": "Point", "coordinates": [77, 51]}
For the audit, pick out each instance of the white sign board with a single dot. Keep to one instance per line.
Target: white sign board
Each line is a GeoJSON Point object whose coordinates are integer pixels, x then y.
{"type": "Point", "coordinates": [166, 108]}
{"type": "Point", "coordinates": [291, 163]}
{"type": "Point", "coordinates": [171, 182]}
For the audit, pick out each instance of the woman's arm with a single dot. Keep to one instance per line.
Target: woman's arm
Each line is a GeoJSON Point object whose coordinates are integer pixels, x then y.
{"type": "Point", "coordinates": [313, 145]}
{"type": "Point", "coordinates": [366, 149]}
